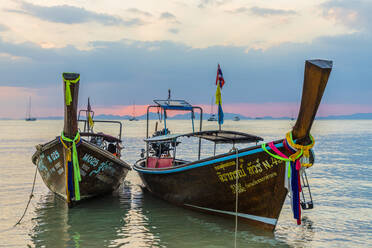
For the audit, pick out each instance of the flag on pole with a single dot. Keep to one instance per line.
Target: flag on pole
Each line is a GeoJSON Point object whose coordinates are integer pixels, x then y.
{"type": "Point", "coordinates": [219, 78]}
{"type": "Point", "coordinates": [90, 120]}
{"type": "Point", "coordinates": [220, 83]}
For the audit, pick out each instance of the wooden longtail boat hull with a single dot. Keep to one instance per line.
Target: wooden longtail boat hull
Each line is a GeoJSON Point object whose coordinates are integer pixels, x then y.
{"type": "Point", "coordinates": [209, 185]}
{"type": "Point", "coordinates": [101, 172]}
{"type": "Point", "coordinates": [72, 167]}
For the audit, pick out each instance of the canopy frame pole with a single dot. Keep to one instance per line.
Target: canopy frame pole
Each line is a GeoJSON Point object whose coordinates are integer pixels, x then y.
{"type": "Point", "coordinates": [192, 120]}
{"type": "Point", "coordinates": [165, 122]}
{"type": "Point", "coordinates": [200, 129]}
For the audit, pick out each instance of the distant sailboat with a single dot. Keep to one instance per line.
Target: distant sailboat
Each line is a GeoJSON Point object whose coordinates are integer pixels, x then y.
{"type": "Point", "coordinates": [28, 112]}
{"type": "Point", "coordinates": [213, 116]}
{"type": "Point", "coordinates": [133, 117]}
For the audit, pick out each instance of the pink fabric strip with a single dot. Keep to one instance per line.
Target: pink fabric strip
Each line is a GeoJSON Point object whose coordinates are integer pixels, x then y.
{"type": "Point", "coordinates": [298, 164]}
{"type": "Point", "coordinates": [273, 147]}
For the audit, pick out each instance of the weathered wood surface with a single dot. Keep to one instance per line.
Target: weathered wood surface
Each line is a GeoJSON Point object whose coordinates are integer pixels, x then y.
{"type": "Point", "coordinates": [209, 185]}
{"type": "Point", "coordinates": [70, 111]}
{"type": "Point", "coordinates": [100, 170]}
{"type": "Point", "coordinates": [315, 81]}
{"type": "Point", "coordinates": [211, 188]}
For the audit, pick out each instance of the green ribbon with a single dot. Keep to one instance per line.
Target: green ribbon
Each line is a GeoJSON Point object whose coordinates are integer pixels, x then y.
{"type": "Point", "coordinates": [68, 90]}
{"type": "Point", "coordinates": [75, 163]}
{"type": "Point", "coordinates": [263, 146]}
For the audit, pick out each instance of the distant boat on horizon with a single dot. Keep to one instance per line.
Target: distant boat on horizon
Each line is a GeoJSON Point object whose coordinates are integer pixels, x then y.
{"type": "Point", "coordinates": [236, 118]}
{"type": "Point", "coordinates": [133, 117]}
{"type": "Point", "coordinates": [212, 117]}
{"type": "Point", "coordinates": [28, 112]}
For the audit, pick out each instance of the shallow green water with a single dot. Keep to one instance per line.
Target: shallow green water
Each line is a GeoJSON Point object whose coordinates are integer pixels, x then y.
{"type": "Point", "coordinates": [341, 183]}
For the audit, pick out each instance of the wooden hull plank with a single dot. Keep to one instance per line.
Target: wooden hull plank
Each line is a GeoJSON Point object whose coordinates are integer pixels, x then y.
{"type": "Point", "coordinates": [101, 171]}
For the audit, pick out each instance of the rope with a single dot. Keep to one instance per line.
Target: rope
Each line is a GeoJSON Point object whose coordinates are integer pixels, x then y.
{"type": "Point", "coordinates": [300, 157]}
{"type": "Point", "coordinates": [304, 149]}
{"type": "Point", "coordinates": [75, 161]}
{"type": "Point", "coordinates": [29, 199]}
{"type": "Point", "coordinates": [68, 90]}
{"type": "Point", "coordinates": [236, 195]}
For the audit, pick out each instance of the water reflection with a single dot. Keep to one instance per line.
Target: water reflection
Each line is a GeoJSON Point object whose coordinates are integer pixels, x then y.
{"type": "Point", "coordinates": [152, 222]}
{"type": "Point", "coordinates": [134, 218]}
{"type": "Point", "coordinates": [91, 224]}
{"type": "Point", "coordinates": [340, 182]}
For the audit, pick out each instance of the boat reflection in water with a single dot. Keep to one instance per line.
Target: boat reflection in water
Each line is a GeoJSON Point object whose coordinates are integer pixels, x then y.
{"type": "Point", "coordinates": [94, 225]}
{"type": "Point", "coordinates": [108, 221]}
{"type": "Point", "coordinates": [134, 219]}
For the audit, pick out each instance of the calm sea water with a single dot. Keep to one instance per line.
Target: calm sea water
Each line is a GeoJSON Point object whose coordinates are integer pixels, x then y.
{"type": "Point", "coordinates": [341, 183]}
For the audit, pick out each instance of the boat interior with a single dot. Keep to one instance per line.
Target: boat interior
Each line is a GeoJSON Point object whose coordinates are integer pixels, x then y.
{"type": "Point", "coordinates": [102, 140]}
{"type": "Point", "coordinates": [162, 148]}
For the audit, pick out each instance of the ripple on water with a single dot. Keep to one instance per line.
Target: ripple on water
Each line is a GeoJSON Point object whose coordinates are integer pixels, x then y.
{"type": "Point", "coordinates": [340, 182]}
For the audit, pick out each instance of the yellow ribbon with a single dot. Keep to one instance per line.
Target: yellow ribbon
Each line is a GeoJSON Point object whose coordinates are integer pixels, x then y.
{"type": "Point", "coordinates": [68, 90]}
{"type": "Point", "coordinates": [300, 150]}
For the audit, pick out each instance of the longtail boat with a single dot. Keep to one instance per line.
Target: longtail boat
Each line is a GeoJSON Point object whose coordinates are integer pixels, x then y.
{"type": "Point", "coordinates": [81, 164]}
{"type": "Point", "coordinates": [249, 184]}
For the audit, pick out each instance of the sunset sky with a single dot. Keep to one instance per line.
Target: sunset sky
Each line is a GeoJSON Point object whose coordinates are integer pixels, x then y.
{"type": "Point", "coordinates": [133, 51]}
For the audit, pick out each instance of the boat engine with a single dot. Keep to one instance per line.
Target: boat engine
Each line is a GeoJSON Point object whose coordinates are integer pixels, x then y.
{"type": "Point", "coordinates": [162, 148]}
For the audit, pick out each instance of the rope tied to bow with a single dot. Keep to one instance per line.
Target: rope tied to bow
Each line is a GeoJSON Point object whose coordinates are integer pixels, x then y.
{"type": "Point", "coordinates": [299, 159]}
{"type": "Point", "coordinates": [75, 160]}
{"type": "Point", "coordinates": [303, 150]}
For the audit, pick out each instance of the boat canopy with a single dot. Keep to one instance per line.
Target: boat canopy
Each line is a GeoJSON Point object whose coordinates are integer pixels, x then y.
{"type": "Point", "coordinates": [174, 104]}
{"type": "Point", "coordinates": [216, 136]}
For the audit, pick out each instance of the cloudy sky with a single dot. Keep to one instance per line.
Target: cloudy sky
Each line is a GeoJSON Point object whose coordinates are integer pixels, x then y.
{"type": "Point", "coordinates": [133, 51]}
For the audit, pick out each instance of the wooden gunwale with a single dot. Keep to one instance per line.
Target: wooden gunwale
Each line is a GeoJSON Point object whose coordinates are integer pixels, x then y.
{"type": "Point", "coordinates": [91, 146]}
{"type": "Point", "coordinates": [209, 159]}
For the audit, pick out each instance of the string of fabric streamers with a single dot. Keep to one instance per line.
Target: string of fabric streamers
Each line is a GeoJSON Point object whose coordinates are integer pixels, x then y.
{"type": "Point", "coordinates": [72, 160]}
{"type": "Point", "coordinates": [299, 158]}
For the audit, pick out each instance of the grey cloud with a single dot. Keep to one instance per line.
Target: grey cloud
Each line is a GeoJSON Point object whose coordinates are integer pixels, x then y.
{"type": "Point", "coordinates": [271, 12]}
{"type": "Point", "coordinates": [262, 11]}
{"type": "Point", "coordinates": [174, 30]}
{"type": "Point", "coordinates": [3, 28]}
{"type": "Point", "coordinates": [113, 71]}
{"type": "Point", "coordinates": [355, 14]}
{"type": "Point", "coordinates": [140, 12]}
{"type": "Point", "coordinates": [238, 10]}
{"type": "Point", "coordinates": [72, 15]}
{"type": "Point", "coordinates": [167, 15]}
{"type": "Point", "coordinates": [205, 3]}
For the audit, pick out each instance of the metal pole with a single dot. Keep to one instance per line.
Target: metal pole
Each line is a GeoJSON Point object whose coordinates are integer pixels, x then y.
{"type": "Point", "coordinates": [200, 129]}
{"type": "Point", "coordinates": [147, 134]}
{"type": "Point", "coordinates": [165, 122]}
{"type": "Point", "coordinates": [192, 120]}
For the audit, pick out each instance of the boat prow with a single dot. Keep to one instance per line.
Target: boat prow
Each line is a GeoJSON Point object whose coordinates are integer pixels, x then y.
{"type": "Point", "coordinates": [80, 165]}
{"type": "Point", "coordinates": [250, 184]}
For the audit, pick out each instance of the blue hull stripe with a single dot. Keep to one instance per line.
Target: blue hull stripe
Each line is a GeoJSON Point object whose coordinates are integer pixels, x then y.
{"type": "Point", "coordinates": [203, 163]}
{"type": "Point", "coordinates": [266, 220]}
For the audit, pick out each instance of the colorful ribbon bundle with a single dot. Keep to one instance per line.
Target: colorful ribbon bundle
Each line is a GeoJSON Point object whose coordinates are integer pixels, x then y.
{"type": "Point", "coordinates": [72, 180]}
{"type": "Point", "coordinates": [299, 158]}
